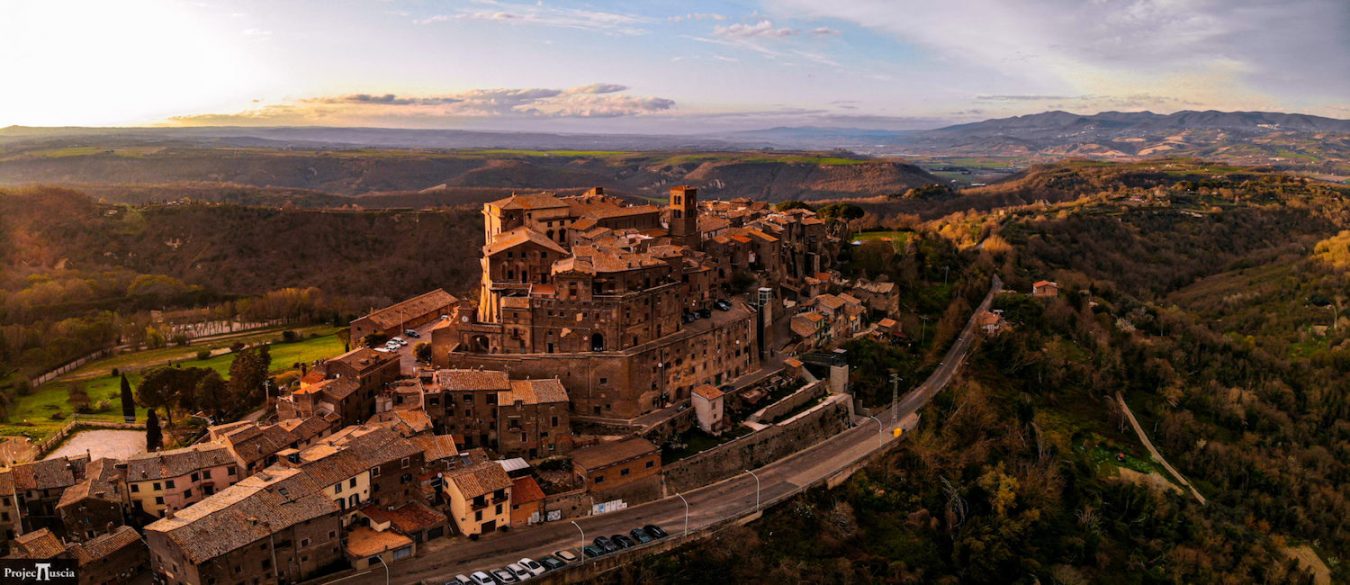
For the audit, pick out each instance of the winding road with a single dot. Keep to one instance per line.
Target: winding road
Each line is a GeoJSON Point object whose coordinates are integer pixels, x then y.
{"type": "Point", "coordinates": [713, 504]}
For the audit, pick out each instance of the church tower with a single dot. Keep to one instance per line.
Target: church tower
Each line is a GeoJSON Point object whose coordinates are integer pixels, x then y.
{"type": "Point", "coordinates": [684, 216]}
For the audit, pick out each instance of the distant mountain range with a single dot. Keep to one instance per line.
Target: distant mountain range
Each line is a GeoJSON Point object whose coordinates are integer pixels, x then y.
{"type": "Point", "coordinates": [1311, 144]}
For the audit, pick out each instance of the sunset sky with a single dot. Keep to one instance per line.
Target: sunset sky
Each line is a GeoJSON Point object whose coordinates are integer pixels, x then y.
{"type": "Point", "coordinates": [660, 66]}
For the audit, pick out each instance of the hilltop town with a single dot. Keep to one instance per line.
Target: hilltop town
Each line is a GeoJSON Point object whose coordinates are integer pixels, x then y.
{"type": "Point", "coordinates": [603, 333]}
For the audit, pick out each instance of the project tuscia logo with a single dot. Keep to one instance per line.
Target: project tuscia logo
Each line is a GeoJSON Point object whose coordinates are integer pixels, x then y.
{"type": "Point", "coordinates": [50, 571]}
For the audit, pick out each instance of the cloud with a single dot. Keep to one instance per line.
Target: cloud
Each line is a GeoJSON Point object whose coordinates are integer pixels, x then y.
{"type": "Point", "coordinates": [695, 16]}
{"type": "Point", "coordinates": [540, 15]}
{"type": "Point", "coordinates": [598, 88]}
{"type": "Point", "coordinates": [599, 100]}
{"type": "Point", "coordinates": [256, 33]}
{"type": "Point", "coordinates": [763, 28]}
{"type": "Point", "coordinates": [1220, 52]}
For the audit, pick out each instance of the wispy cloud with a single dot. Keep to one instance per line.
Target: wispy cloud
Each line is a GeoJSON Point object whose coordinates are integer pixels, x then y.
{"type": "Point", "coordinates": [598, 100]}
{"type": "Point", "coordinates": [763, 28]}
{"type": "Point", "coordinates": [1234, 52]}
{"type": "Point", "coordinates": [541, 15]}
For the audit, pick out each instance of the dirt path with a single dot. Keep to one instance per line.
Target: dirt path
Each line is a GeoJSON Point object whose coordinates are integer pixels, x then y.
{"type": "Point", "coordinates": [1154, 451]}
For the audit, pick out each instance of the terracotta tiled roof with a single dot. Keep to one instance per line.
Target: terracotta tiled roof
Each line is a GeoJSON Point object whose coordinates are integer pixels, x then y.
{"type": "Point", "coordinates": [312, 377]}
{"type": "Point", "coordinates": [470, 380]}
{"type": "Point", "coordinates": [100, 482]}
{"type": "Point", "coordinates": [829, 301]}
{"type": "Point", "coordinates": [1042, 283]}
{"type": "Point", "coordinates": [425, 303]}
{"type": "Point", "coordinates": [606, 454]}
{"type": "Point", "coordinates": [542, 391]}
{"type": "Point", "coordinates": [708, 392]}
{"type": "Point", "coordinates": [510, 239]}
{"type": "Point", "coordinates": [177, 462]}
{"type": "Point", "coordinates": [409, 518]}
{"type": "Point", "coordinates": [802, 326]}
{"type": "Point", "coordinates": [60, 472]}
{"type": "Point", "coordinates": [341, 456]}
{"type": "Point", "coordinates": [479, 479]}
{"type": "Point", "coordinates": [106, 545]}
{"type": "Point", "coordinates": [887, 323]}
{"type": "Point", "coordinates": [525, 490]}
{"type": "Point", "coordinates": [39, 544]}
{"type": "Point", "coordinates": [531, 201]}
{"type": "Point", "coordinates": [435, 447]}
{"type": "Point", "coordinates": [363, 542]}
{"type": "Point", "coordinates": [269, 501]}
{"type": "Point", "coordinates": [6, 482]}
{"type": "Point", "coordinates": [363, 359]}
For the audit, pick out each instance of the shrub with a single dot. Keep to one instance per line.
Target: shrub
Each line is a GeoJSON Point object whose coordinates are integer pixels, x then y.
{"type": "Point", "coordinates": [116, 372]}
{"type": "Point", "coordinates": [236, 347]}
{"type": "Point", "coordinates": [58, 415]}
{"type": "Point", "coordinates": [203, 354]}
{"type": "Point", "coordinates": [289, 336]}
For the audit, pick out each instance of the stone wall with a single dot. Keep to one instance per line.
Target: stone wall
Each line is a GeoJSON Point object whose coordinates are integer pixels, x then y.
{"type": "Point", "coordinates": [757, 449]}
{"type": "Point", "coordinates": [791, 402]}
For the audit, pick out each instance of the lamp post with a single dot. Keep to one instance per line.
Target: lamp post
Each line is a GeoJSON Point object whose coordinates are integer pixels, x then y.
{"type": "Point", "coordinates": [581, 549]}
{"type": "Point", "coordinates": [881, 431]}
{"type": "Point", "coordinates": [386, 568]}
{"type": "Point", "coordinates": [752, 474]}
{"type": "Point", "coordinates": [686, 513]}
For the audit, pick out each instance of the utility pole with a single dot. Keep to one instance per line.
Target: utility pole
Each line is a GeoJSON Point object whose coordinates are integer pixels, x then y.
{"type": "Point", "coordinates": [923, 331]}
{"type": "Point", "coordinates": [752, 474]}
{"type": "Point", "coordinates": [895, 397]}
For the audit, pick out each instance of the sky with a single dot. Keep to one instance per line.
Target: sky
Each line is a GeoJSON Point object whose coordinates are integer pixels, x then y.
{"type": "Point", "coordinates": [657, 66]}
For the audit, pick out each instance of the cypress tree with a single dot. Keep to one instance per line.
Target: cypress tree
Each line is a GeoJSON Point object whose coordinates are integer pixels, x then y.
{"type": "Point", "coordinates": [128, 404]}
{"type": "Point", "coordinates": [154, 439]}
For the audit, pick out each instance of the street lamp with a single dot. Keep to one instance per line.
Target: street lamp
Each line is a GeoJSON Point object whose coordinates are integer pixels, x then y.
{"type": "Point", "coordinates": [881, 431]}
{"type": "Point", "coordinates": [386, 568]}
{"type": "Point", "coordinates": [582, 549]}
{"type": "Point", "coordinates": [752, 474]}
{"type": "Point", "coordinates": [686, 513]}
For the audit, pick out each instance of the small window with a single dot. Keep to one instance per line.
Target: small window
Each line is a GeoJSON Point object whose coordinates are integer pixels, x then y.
{"type": "Point", "coordinates": [169, 484]}
{"type": "Point", "coordinates": [375, 471]}
{"type": "Point", "coordinates": [406, 461]}
{"type": "Point", "coordinates": [352, 482]}
{"type": "Point", "coordinates": [623, 472]}
{"type": "Point", "coordinates": [337, 488]}
{"type": "Point", "coordinates": [159, 500]}
{"type": "Point", "coordinates": [135, 487]}
{"type": "Point", "coordinates": [155, 485]}
{"type": "Point", "coordinates": [650, 464]}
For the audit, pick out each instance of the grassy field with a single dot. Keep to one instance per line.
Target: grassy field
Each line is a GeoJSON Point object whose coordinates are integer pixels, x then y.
{"type": "Point", "coordinates": [897, 239]}
{"type": "Point", "coordinates": [31, 415]}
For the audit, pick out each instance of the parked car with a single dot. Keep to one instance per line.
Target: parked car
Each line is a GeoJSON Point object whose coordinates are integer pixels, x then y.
{"type": "Point", "coordinates": [460, 580]}
{"type": "Point", "coordinates": [505, 576]}
{"type": "Point", "coordinates": [704, 313]}
{"type": "Point", "coordinates": [399, 340]}
{"type": "Point", "coordinates": [606, 544]}
{"type": "Point", "coordinates": [412, 333]}
{"type": "Point", "coordinates": [481, 578]}
{"type": "Point", "coordinates": [655, 530]}
{"type": "Point", "coordinates": [722, 305]}
{"type": "Point", "coordinates": [690, 317]}
{"type": "Point", "coordinates": [591, 551]}
{"type": "Point", "coordinates": [566, 556]}
{"type": "Point", "coordinates": [519, 571]}
{"type": "Point", "coordinates": [534, 568]}
{"type": "Point", "coordinates": [551, 563]}
{"type": "Point", "coordinates": [622, 541]}
{"type": "Point", "coordinates": [641, 536]}
{"type": "Point", "coordinates": [384, 350]}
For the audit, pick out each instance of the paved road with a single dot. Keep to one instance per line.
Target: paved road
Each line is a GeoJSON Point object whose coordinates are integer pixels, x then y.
{"type": "Point", "coordinates": [709, 505]}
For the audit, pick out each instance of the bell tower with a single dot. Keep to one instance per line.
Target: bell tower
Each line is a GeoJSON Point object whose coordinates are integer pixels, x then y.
{"type": "Point", "coordinates": [684, 216]}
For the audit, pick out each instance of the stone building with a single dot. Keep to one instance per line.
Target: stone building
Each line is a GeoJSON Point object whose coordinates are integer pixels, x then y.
{"type": "Point", "coordinates": [608, 468]}
{"type": "Point", "coordinates": [111, 558]}
{"type": "Point", "coordinates": [38, 487]}
{"type": "Point", "coordinates": [709, 407]}
{"type": "Point", "coordinates": [167, 481]}
{"type": "Point", "coordinates": [97, 505]}
{"type": "Point", "coordinates": [409, 314]}
{"type": "Point", "coordinates": [463, 403]}
{"type": "Point", "coordinates": [360, 466]}
{"type": "Point", "coordinates": [480, 498]}
{"type": "Point", "coordinates": [533, 419]}
{"type": "Point", "coordinates": [347, 389]}
{"type": "Point", "coordinates": [275, 526]}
